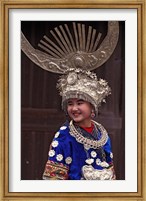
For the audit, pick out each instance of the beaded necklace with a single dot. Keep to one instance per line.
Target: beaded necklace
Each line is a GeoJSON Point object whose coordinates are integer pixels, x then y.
{"type": "Point", "coordinates": [89, 143]}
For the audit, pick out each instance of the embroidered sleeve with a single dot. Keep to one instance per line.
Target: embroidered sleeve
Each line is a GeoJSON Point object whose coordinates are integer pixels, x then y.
{"type": "Point", "coordinates": [56, 168]}
{"type": "Point", "coordinates": [55, 171]}
{"type": "Point", "coordinates": [109, 157]}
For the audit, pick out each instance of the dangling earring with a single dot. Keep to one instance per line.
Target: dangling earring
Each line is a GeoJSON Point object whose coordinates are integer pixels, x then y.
{"type": "Point", "coordinates": [92, 114]}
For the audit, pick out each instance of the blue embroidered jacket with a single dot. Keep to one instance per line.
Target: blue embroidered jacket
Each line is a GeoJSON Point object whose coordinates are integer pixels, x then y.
{"type": "Point", "coordinates": [67, 157]}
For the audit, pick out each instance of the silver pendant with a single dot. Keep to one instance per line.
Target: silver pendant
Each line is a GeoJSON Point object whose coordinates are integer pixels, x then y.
{"type": "Point", "coordinates": [89, 161]}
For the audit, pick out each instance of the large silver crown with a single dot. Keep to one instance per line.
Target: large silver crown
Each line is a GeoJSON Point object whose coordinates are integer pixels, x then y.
{"type": "Point", "coordinates": [77, 83]}
{"type": "Point", "coordinates": [74, 54]}
{"type": "Point", "coordinates": [73, 49]}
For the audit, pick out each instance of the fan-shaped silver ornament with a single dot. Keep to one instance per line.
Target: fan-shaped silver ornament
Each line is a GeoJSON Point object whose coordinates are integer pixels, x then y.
{"type": "Point", "coordinates": [73, 49]}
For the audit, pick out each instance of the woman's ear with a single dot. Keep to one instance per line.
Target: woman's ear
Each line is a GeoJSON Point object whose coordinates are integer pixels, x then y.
{"type": "Point", "coordinates": [92, 114]}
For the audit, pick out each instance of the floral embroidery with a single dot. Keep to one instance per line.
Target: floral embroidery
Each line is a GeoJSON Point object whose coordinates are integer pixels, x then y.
{"type": "Point", "coordinates": [104, 164]}
{"type": "Point", "coordinates": [51, 153]}
{"type": "Point", "coordinates": [63, 128]}
{"type": "Point", "coordinates": [89, 161]}
{"type": "Point", "coordinates": [59, 157]}
{"type": "Point", "coordinates": [57, 135]}
{"type": "Point", "coordinates": [55, 143]}
{"type": "Point", "coordinates": [55, 171]}
{"type": "Point", "coordinates": [93, 154]}
{"type": "Point", "coordinates": [111, 155]}
{"type": "Point", "coordinates": [98, 161]}
{"type": "Point", "coordinates": [68, 160]}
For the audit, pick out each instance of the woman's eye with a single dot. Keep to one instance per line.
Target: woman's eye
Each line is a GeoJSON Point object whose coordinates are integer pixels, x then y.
{"type": "Point", "coordinates": [69, 104]}
{"type": "Point", "coordinates": [80, 103]}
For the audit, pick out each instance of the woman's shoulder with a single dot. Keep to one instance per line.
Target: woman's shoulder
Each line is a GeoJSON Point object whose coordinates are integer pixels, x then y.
{"type": "Point", "coordinates": [64, 127]}
{"type": "Point", "coordinates": [62, 131]}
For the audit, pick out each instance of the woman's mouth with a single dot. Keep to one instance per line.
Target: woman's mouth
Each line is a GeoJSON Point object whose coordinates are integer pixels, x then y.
{"type": "Point", "coordinates": [76, 114]}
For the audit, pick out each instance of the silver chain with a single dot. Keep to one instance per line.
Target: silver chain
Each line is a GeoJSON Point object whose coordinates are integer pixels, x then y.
{"type": "Point", "coordinates": [88, 142]}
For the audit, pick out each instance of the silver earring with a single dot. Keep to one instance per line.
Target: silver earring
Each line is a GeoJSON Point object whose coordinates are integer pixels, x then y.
{"type": "Point", "coordinates": [92, 114]}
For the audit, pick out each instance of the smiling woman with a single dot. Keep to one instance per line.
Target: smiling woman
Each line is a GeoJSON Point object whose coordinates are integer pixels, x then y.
{"type": "Point", "coordinates": [89, 153]}
{"type": "Point", "coordinates": [80, 111]}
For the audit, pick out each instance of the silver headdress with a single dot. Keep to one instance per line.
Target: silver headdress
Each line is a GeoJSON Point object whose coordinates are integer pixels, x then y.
{"type": "Point", "coordinates": [77, 83]}
{"type": "Point", "coordinates": [74, 55]}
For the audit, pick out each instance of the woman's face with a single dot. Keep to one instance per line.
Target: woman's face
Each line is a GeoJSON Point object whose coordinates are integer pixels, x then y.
{"type": "Point", "coordinates": [80, 111]}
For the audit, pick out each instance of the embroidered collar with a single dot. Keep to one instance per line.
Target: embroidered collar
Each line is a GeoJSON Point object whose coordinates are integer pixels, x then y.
{"type": "Point", "coordinates": [94, 135]}
{"type": "Point", "coordinates": [88, 129]}
{"type": "Point", "coordinates": [95, 144]}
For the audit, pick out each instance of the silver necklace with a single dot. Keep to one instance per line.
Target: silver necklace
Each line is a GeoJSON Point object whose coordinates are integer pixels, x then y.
{"type": "Point", "coordinates": [89, 143]}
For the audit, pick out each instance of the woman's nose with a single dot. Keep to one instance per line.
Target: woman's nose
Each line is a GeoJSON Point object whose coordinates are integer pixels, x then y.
{"type": "Point", "coordinates": [74, 107]}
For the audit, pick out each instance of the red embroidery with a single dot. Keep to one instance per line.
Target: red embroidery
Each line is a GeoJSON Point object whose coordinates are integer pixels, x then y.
{"type": "Point", "coordinates": [55, 171]}
{"type": "Point", "coordinates": [89, 129]}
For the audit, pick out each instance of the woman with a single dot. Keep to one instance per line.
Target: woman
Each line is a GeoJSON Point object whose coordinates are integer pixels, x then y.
{"type": "Point", "coordinates": [81, 148]}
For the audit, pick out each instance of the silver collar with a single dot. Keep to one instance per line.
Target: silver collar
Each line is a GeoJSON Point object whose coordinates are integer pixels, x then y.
{"type": "Point", "coordinates": [95, 144]}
